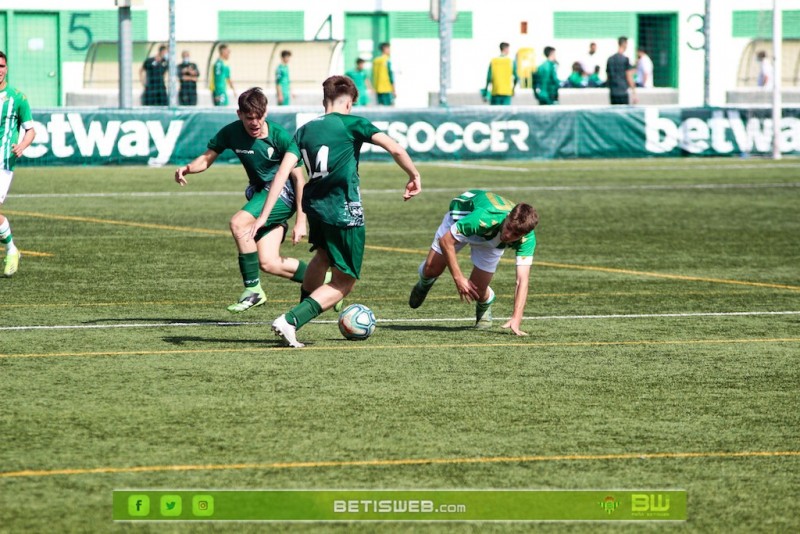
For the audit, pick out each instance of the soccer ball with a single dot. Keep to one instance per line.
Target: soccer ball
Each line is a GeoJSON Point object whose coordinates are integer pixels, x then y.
{"type": "Point", "coordinates": [357, 322]}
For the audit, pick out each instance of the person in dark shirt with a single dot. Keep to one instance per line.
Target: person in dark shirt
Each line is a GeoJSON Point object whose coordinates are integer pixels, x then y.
{"type": "Point", "coordinates": [619, 75]}
{"type": "Point", "coordinates": [152, 77]}
{"type": "Point", "coordinates": [187, 96]}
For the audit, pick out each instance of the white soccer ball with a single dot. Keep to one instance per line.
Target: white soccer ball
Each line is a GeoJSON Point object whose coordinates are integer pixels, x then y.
{"type": "Point", "coordinates": [357, 322]}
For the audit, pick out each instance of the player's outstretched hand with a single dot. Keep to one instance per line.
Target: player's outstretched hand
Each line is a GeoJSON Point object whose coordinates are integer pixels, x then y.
{"type": "Point", "coordinates": [413, 188]}
{"type": "Point", "coordinates": [466, 289]}
{"type": "Point", "coordinates": [180, 175]}
{"type": "Point", "coordinates": [514, 326]}
{"type": "Point", "coordinates": [17, 150]}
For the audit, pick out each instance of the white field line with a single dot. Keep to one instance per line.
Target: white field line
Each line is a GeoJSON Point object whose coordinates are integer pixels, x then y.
{"type": "Point", "coordinates": [656, 187]}
{"type": "Point", "coordinates": [561, 168]}
{"type": "Point", "coordinates": [410, 320]}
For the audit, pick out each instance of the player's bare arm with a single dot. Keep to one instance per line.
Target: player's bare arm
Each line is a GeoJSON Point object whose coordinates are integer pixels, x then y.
{"type": "Point", "coordinates": [401, 157]}
{"type": "Point", "coordinates": [300, 225]}
{"type": "Point", "coordinates": [288, 163]}
{"type": "Point", "coordinates": [520, 298]}
{"type": "Point", "coordinates": [27, 139]}
{"type": "Point", "coordinates": [466, 289]}
{"type": "Point", "coordinates": [199, 164]}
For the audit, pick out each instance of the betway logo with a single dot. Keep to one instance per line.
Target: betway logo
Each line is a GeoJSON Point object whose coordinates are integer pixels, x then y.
{"type": "Point", "coordinates": [131, 138]}
{"type": "Point", "coordinates": [723, 133]}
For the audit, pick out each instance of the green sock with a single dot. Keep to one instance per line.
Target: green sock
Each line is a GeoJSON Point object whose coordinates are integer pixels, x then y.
{"type": "Point", "coordinates": [300, 273]}
{"type": "Point", "coordinates": [481, 307]}
{"type": "Point", "coordinates": [304, 312]}
{"type": "Point", "coordinates": [248, 265]}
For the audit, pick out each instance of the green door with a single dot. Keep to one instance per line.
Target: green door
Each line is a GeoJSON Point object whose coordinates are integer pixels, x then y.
{"type": "Point", "coordinates": [363, 34]}
{"type": "Point", "coordinates": [33, 65]}
{"type": "Point", "coordinates": [658, 36]}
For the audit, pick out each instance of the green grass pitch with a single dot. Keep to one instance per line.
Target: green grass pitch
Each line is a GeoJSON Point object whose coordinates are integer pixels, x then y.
{"type": "Point", "coordinates": [651, 327]}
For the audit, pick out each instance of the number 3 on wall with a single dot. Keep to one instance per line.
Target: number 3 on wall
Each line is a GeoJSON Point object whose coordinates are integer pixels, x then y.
{"type": "Point", "coordinates": [699, 30]}
{"type": "Point", "coordinates": [83, 43]}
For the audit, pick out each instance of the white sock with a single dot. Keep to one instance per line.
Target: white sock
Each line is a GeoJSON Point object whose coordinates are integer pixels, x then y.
{"type": "Point", "coordinates": [5, 232]}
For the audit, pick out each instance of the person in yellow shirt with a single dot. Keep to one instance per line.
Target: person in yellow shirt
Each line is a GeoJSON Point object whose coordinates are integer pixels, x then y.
{"type": "Point", "coordinates": [502, 76]}
{"type": "Point", "coordinates": [382, 77]}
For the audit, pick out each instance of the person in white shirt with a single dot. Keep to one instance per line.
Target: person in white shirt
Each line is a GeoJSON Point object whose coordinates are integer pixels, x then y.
{"type": "Point", "coordinates": [644, 69]}
{"type": "Point", "coordinates": [766, 74]}
{"type": "Point", "coordinates": [590, 61]}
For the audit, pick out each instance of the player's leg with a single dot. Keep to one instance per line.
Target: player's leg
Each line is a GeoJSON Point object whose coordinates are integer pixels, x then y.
{"type": "Point", "coordinates": [485, 260]}
{"type": "Point", "coordinates": [343, 250]}
{"type": "Point", "coordinates": [253, 294]}
{"type": "Point", "coordinates": [433, 266]}
{"type": "Point", "coordinates": [11, 261]}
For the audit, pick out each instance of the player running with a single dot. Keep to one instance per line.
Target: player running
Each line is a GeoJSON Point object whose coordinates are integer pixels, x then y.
{"type": "Point", "coordinates": [489, 224]}
{"type": "Point", "coordinates": [15, 112]}
{"type": "Point", "coordinates": [330, 146]}
{"type": "Point", "coordinates": [260, 145]}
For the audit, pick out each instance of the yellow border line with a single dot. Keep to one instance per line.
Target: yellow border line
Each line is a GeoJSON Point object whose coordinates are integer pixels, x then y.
{"type": "Point", "coordinates": [36, 254]}
{"type": "Point", "coordinates": [401, 462]}
{"type": "Point", "coordinates": [353, 347]}
{"type": "Point", "coordinates": [421, 252]}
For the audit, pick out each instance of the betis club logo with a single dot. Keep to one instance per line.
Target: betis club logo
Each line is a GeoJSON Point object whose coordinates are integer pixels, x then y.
{"type": "Point", "coordinates": [609, 504]}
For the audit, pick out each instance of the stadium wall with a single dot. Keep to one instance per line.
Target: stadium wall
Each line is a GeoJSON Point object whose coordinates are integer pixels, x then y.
{"type": "Point", "coordinates": [568, 25]}
{"type": "Point", "coordinates": [161, 137]}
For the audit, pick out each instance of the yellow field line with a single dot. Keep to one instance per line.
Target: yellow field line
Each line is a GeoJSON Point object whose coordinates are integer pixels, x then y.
{"type": "Point", "coordinates": [118, 223]}
{"type": "Point", "coordinates": [36, 254]}
{"type": "Point", "coordinates": [400, 462]}
{"type": "Point", "coordinates": [419, 252]}
{"type": "Point", "coordinates": [354, 347]}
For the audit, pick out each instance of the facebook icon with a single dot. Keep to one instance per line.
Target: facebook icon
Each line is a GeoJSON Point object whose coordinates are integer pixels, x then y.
{"type": "Point", "coordinates": [138, 505]}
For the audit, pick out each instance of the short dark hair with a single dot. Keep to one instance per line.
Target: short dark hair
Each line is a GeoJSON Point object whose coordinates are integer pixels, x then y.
{"type": "Point", "coordinates": [503, 46]}
{"type": "Point", "coordinates": [253, 101]}
{"type": "Point", "coordinates": [4, 56]}
{"type": "Point", "coordinates": [384, 45]}
{"type": "Point", "coordinates": [337, 86]}
{"type": "Point", "coordinates": [622, 40]}
{"type": "Point", "coordinates": [162, 48]}
{"type": "Point", "coordinates": [285, 54]}
{"type": "Point", "coordinates": [548, 50]}
{"type": "Point", "coordinates": [222, 47]}
{"type": "Point", "coordinates": [523, 218]}
{"type": "Point", "coordinates": [761, 54]}
{"type": "Point", "coordinates": [359, 61]}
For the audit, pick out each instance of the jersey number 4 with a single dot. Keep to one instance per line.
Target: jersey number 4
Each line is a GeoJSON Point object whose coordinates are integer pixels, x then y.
{"type": "Point", "coordinates": [320, 170]}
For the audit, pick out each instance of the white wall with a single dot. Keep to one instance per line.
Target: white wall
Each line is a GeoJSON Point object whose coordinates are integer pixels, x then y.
{"type": "Point", "coordinates": [416, 61]}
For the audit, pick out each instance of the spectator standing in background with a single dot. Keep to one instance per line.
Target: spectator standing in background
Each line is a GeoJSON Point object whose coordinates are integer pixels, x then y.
{"type": "Point", "coordinates": [766, 73]}
{"type": "Point", "coordinates": [545, 79]}
{"type": "Point", "coordinates": [619, 76]}
{"type": "Point", "coordinates": [187, 95]}
{"type": "Point", "coordinates": [383, 77]}
{"type": "Point", "coordinates": [644, 69]}
{"type": "Point", "coordinates": [282, 81]}
{"type": "Point", "coordinates": [502, 76]}
{"type": "Point", "coordinates": [152, 77]}
{"type": "Point", "coordinates": [590, 63]}
{"type": "Point", "coordinates": [221, 77]}
{"type": "Point", "coordinates": [360, 77]}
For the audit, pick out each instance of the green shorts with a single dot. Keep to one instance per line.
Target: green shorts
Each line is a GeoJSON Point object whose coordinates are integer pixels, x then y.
{"type": "Point", "coordinates": [345, 246]}
{"type": "Point", "coordinates": [500, 100]}
{"type": "Point", "coordinates": [220, 99]}
{"type": "Point", "coordinates": [385, 99]}
{"type": "Point", "coordinates": [278, 217]}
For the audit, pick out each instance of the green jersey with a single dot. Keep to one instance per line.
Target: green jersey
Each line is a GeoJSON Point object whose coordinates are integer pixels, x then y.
{"type": "Point", "coordinates": [282, 77]}
{"type": "Point", "coordinates": [481, 213]}
{"type": "Point", "coordinates": [359, 77]}
{"type": "Point", "coordinates": [15, 111]}
{"type": "Point", "coordinates": [260, 157]}
{"type": "Point", "coordinates": [329, 146]}
{"type": "Point", "coordinates": [222, 73]}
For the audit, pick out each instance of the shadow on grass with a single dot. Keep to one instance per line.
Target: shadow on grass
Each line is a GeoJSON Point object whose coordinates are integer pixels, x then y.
{"type": "Point", "coordinates": [169, 320]}
{"type": "Point", "coordinates": [425, 327]}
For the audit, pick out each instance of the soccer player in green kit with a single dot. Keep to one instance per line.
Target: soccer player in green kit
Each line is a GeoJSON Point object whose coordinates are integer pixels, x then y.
{"type": "Point", "coordinates": [260, 146]}
{"type": "Point", "coordinates": [283, 83]}
{"type": "Point", "coordinates": [330, 146]}
{"type": "Point", "coordinates": [221, 77]}
{"type": "Point", "coordinates": [16, 113]}
{"type": "Point", "coordinates": [489, 224]}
